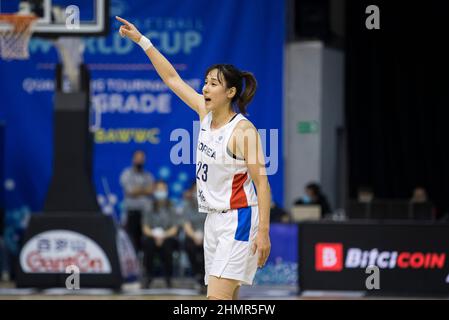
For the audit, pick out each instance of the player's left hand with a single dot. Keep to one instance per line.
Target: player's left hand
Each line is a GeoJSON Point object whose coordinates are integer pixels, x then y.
{"type": "Point", "coordinates": [263, 247]}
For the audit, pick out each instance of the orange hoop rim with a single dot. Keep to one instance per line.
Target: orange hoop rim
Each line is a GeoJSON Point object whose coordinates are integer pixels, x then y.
{"type": "Point", "coordinates": [17, 23]}
{"type": "Point", "coordinates": [17, 18]}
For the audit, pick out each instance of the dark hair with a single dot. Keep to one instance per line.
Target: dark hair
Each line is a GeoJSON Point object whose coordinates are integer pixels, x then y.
{"type": "Point", "coordinates": [161, 181]}
{"type": "Point", "coordinates": [234, 78]}
{"type": "Point", "coordinates": [139, 151]}
{"type": "Point", "coordinates": [315, 188]}
{"type": "Point", "coordinates": [365, 188]}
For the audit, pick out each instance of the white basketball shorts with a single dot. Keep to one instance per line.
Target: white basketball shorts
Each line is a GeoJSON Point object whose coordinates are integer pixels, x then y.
{"type": "Point", "coordinates": [228, 239]}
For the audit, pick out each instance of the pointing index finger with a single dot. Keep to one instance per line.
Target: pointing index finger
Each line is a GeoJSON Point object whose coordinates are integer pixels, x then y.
{"type": "Point", "coordinates": [122, 20]}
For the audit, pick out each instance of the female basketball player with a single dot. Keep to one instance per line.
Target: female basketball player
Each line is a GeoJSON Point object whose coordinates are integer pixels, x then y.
{"type": "Point", "coordinates": [236, 230]}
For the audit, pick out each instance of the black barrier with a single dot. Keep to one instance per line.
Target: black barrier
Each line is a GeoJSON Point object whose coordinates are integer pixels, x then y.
{"type": "Point", "coordinates": [54, 242]}
{"type": "Point", "coordinates": [411, 257]}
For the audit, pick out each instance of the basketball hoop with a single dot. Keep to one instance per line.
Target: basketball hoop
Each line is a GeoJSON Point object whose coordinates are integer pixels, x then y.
{"type": "Point", "coordinates": [15, 36]}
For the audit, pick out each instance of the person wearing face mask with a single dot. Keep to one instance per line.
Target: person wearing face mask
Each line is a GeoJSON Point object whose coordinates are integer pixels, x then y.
{"type": "Point", "coordinates": [313, 195]}
{"type": "Point", "coordinates": [138, 186]}
{"type": "Point", "coordinates": [193, 228]}
{"type": "Point", "coordinates": [160, 230]}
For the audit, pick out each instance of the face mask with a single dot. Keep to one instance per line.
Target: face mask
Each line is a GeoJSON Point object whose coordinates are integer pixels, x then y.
{"type": "Point", "coordinates": [306, 199]}
{"type": "Point", "coordinates": [139, 166]}
{"type": "Point", "coordinates": [160, 195]}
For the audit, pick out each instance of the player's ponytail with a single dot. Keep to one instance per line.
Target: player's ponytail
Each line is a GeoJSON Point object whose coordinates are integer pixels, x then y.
{"type": "Point", "coordinates": [250, 89]}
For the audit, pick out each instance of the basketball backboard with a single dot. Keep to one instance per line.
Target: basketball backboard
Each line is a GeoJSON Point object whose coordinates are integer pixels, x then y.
{"type": "Point", "coordinates": [62, 17]}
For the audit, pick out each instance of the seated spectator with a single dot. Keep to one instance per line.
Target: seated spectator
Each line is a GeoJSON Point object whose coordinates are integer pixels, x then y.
{"type": "Point", "coordinates": [137, 187]}
{"type": "Point", "coordinates": [419, 195]}
{"type": "Point", "coordinates": [421, 198]}
{"type": "Point", "coordinates": [278, 214]}
{"type": "Point", "coordinates": [314, 196]}
{"type": "Point", "coordinates": [160, 230]}
{"type": "Point", "coordinates": [365, 194]}
{"type": "Point", "coordinates": [194, 231]}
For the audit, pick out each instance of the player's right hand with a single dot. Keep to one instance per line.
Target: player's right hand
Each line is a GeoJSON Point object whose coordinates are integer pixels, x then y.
{"type": "Point", "coordinates": [129, 30]}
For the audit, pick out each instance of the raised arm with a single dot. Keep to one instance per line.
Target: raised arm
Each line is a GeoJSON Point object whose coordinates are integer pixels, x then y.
{"type": "Point", "coordinates": [165, 69]}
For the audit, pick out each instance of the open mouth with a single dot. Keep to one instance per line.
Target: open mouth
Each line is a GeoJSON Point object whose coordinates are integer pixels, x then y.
{"type": "Point", "coordinates": [207, 99]}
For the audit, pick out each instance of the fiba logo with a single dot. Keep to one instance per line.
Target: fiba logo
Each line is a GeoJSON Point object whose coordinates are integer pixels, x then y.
{"type": "Point", "coordinates": [329, 257]}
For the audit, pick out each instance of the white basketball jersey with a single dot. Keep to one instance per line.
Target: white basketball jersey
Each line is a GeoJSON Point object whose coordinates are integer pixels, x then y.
{"type": "Point", "coordinates": [223, 182]}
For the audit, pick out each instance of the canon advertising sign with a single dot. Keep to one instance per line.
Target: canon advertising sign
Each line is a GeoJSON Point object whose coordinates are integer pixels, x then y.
{"type": "Point", "coordinates": [408, 259]}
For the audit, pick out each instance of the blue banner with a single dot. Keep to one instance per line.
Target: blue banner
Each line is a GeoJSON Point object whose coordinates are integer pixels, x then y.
{"type": "Point", "coordinates": [281, 267]}
{"type": "Point", "coordinates": [131, 107]}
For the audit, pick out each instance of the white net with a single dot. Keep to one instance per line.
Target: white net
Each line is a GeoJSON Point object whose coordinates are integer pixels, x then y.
{"type": "Point", "coordinates": [15, 35]}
